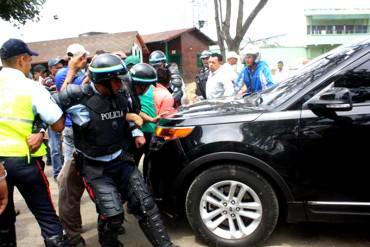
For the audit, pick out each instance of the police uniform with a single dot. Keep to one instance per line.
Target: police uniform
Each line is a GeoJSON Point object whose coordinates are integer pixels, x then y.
{"type": "Point", "coordinates": [100, 131]}
{"type": "Point", "coordinates": [202, 77]}
{"type": "Point", "coordinates": [201, 80]}
{"type": "Point", "coordinates": [20, 100]}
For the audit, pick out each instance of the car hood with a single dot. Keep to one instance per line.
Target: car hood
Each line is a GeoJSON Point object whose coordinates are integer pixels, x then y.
{"type": "Point", "coordinates": [215, 111]}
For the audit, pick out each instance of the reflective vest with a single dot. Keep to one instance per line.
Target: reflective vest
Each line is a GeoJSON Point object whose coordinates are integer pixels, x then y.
{"type": "Point", "coordinates": [16, 118]}
{"type": "Point", "coordinates": [40, 152]}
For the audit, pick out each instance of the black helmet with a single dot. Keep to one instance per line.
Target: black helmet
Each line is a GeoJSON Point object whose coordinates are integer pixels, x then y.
{"type": "Point", "coordinates": [205, 54]}
{"type": "Point", "coordinates": [143, 74]}
{"type": "Point", "coordinates": [105, 67]}
{"type": "Point", "coordinates": [157, 57]}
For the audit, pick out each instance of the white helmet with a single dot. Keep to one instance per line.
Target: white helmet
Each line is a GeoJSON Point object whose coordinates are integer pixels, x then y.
{"type": "Point", "coordinates": [252, 50]}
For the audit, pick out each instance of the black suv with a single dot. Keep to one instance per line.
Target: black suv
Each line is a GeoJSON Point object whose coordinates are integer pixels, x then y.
{"type": "Point", "coordinates": [297, 151]}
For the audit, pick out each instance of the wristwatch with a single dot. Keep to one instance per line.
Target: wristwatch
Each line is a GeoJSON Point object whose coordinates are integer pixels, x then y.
{"type": "Point", "coordinates": [42, 130]}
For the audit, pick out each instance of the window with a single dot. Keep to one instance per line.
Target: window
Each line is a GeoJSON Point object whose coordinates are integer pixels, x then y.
{"type": "Point", "coordinates": [349, 28]}
{"type": "Point", "coordinates": [358, 82]}
{"type": "Point", "coordinates": [361, 29]}
{"type": "Point", "coordinates": [339, 29]}
{"type": "Point", "coordinates": [329, 29]}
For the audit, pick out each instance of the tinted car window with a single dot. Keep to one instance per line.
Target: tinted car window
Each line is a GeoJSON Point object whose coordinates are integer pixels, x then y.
{"type": "Point", "coordinates": [358, 81]}
{"type": "Point", "coordinates": [282, 92]}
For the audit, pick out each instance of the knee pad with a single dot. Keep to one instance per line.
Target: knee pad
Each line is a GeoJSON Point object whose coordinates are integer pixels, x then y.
{"type": "Point", "coordinates": [108, 200]}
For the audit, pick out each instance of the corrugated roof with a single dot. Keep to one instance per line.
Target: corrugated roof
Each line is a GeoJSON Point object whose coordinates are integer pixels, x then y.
{"type": "Point", "coordinates": [109, 42]}
{"type": "Point", "coordinates": [170, 35]}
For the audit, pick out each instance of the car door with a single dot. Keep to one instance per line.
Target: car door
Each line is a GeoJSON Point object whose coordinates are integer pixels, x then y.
{"type": "Point", "coordinates": [334, 165]}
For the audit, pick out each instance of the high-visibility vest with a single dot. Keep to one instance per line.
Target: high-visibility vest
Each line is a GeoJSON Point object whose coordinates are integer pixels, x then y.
{"type": "Point", "coordinates": [16, 118]}
{"type": "Point", "coordinates": [40, 152]}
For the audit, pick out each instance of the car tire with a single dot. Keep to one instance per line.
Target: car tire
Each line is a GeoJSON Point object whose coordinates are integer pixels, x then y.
{"type": "Point", "coordinates": [250, 225]}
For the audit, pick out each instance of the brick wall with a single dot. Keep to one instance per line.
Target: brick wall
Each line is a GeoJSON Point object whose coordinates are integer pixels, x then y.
{"type": "Point", "coordinates": [188, 45]}
{"type": "Point", "coordinates": [191, 45]}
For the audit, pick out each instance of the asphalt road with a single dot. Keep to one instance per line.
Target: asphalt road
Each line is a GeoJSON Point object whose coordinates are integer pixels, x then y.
{"type": "Point", "coordinates": [286, 235]}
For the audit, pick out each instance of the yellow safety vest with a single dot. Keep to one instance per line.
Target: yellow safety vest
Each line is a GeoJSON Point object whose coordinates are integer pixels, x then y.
{"type": "Point", "coordinates": [16, 118]}
{"type": "Point", "coordinates": [40, 152]}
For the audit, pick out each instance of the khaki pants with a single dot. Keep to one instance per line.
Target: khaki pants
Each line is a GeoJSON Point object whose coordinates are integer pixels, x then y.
{"type": "Point", "coordinates": [71, 188]}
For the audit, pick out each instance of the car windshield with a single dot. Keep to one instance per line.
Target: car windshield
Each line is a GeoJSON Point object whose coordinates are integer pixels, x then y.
{"type": "Point", "coordinates": [304, 76]}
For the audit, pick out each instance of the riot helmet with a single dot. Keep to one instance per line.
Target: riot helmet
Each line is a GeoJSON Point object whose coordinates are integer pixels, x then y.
{"type": "Point", "coordinates": [131, 61]}
{"type": "Point", "coordinates": [143, 74]}
{"type": "Point", "coordinates": [205, 54]}
{"type": "Point", "coordinates": [157, 58]}
{"type": "Point", "coordinates": [105, 67]}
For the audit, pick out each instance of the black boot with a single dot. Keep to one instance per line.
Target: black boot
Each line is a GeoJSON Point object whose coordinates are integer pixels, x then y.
{"type": "Point", "coordinates": [57, 241]}
{"type": "Point", "coordinates": [108, 232]}
{"type": "Point", "coordinates": [77, 241]}
{"type": "Point", "coordinates": [8, 238]}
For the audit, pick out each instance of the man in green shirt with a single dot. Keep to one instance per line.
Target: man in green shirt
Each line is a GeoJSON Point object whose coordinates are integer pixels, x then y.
{"type": "Point", "coordinates": [143, 78]}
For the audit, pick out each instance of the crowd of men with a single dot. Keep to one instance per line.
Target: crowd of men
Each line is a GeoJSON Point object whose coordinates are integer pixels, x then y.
{"type": "Point", "coordinates": [217, 79]}
{"type": "Point", "coordinates": [107, 113]}
{"type": "Point", "coordinates": [100, 117]}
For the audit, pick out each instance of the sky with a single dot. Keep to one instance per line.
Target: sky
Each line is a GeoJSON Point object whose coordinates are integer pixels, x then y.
{"type": "Point", "coordinates": [279, 17]}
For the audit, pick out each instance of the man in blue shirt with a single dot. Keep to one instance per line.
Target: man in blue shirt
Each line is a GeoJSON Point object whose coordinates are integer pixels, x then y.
{"type": "Point", "coordinates": [71, 186]}
{"type": "Point", "coordinates": [256, 75]}
{"type": "Point", "coordinates": [73, 74]}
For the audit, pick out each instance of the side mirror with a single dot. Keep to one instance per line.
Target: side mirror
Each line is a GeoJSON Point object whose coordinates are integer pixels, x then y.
{"type": "Point", "coordinates": [333, 100]}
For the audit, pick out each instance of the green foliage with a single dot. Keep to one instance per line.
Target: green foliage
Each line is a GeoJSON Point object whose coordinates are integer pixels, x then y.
{"type": "Point", "coordinates": [19, 12]}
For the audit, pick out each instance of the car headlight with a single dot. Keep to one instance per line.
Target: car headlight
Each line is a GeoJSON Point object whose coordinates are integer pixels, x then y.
{"type": "Point", "coordinates": [171, 133]}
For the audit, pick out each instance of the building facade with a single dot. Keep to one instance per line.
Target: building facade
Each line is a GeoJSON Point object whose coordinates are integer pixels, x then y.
{"type": "Point", "coordinates": [329, 28]}
{"type": "Point", "coordinates": [326, 29]}
{"type": "Point", "coordinates": [181, 46]}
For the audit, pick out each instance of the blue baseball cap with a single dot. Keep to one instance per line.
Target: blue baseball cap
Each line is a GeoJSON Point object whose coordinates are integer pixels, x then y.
{"type": "Point", "coordinates": [15, 47]}
{"type": "Point", "coordinates": [54, 61]}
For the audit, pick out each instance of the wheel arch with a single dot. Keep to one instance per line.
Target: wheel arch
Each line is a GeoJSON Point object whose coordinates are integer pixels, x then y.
{"type": "Point", "coordinates": [185, 178]}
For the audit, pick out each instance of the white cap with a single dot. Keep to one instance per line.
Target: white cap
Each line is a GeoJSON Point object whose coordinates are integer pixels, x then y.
{"type": "Point", "coordinates": [232, 54]}
{"type": "Point", "coordinates": [76, 49]}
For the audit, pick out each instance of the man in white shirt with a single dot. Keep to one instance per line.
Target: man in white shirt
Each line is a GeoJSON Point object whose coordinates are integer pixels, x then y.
{"type": "Point", "coordinates": [220, 79]}
{"type": "Point", "coordinates": [280, 73]}
{"type": "Point", "coordinates": [39, 73]}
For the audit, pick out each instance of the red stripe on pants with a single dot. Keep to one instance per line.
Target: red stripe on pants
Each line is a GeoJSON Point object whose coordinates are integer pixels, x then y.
{"type": "Point", "coordinates": [46, 182]}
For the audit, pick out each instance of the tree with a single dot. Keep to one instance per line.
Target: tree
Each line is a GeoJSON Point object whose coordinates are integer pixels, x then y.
{"type": "Point", "coordinates": [20, 11]}
{"type": "Point", "coordinates": [223, 24]}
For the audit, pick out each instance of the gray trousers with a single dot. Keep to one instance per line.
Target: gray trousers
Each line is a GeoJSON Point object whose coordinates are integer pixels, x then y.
{"type": "Point", "coordinates": [71, 189]}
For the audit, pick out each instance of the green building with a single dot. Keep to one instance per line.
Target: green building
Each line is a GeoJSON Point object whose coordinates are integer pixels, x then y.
{"type": "Point", "coordinates": [329, 28]}
{"type": "Point", "coordinates": [325, 29]}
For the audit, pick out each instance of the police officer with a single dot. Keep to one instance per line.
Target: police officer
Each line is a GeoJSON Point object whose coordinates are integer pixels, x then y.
{"type": "Point", "coordinates": [99, 135]}
{"type": "Point", "coordinates": [21, 100]}
{"type": "Point", "coordinates": [177, 87]}
{"type": "Point", "coordinates": [143, 76]}
{"type": "Point", "coordinates": [202, 77]}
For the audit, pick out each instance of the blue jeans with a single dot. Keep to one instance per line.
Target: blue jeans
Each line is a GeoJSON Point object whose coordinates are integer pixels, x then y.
{"type": "Point", "coordinates": [68, 144]}
{"type": "Point", "coordinates": [55, 145]}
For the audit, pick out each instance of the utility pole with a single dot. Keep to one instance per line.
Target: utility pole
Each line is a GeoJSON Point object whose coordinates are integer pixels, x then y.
{"type": "Point", "coordinates": [199, 10]}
